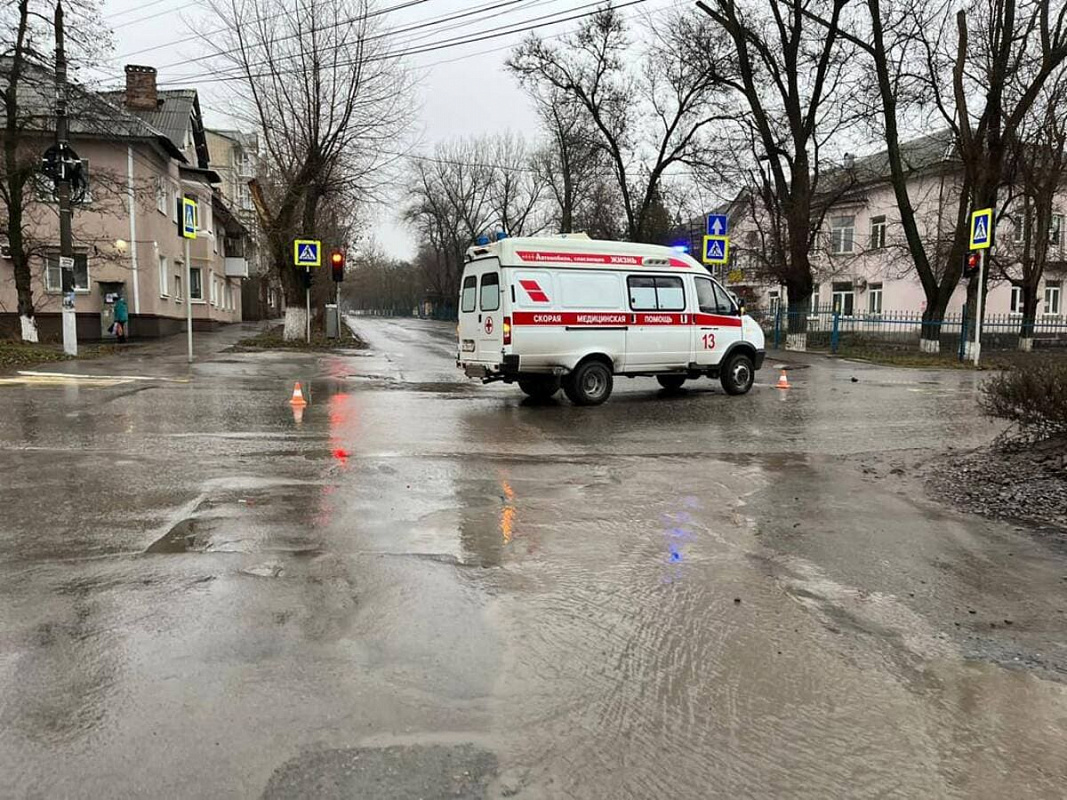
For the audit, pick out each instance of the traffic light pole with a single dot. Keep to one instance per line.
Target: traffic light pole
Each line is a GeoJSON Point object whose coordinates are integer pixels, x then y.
{"type": "Point", "coordinates": [66, 235]}
{"type": "Point", "coordinates": [978, 306]}
{"type": "Point", "coordinates": [337, 309]}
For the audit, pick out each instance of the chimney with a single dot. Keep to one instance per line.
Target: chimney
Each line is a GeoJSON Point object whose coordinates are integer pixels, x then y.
{"type": "Point", "coordinates": [141, 88]}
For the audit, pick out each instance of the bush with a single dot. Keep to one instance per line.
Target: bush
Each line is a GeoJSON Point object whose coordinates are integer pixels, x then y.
{"type": "Point", "coordinates": [1032, 396]}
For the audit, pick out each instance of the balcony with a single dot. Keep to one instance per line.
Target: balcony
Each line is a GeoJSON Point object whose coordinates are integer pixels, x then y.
{"type": "Point", "coordinates": [236, 267]}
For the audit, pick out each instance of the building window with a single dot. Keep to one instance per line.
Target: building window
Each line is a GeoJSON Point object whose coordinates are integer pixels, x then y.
{"type": "Point", "coordinates": [878, 232]}
{"type": "Point", "coordinates": [196, 284]}
{"type": "Point", "coordinates": [774, 298]}
{"type": "Point", "coordinates": [174, 206]}
{"type": "Point", "coordinates": [1016, 304]}
{"type": "Point", "coordinates": [815, 299]}
{"type": "Point", "coordinates": [53, 275]}
{"type": "Point", "coordinates": [177, 288]}
{"type": "Point", "coordinates": [1052, 298]}
{"type": "Point", "coordinates": [162, 194]}
{"type": "Point", "coordinates": [874, 298]}
{"type": "Point", "coordinates": [842, 234]}
{"type": "Point", "coordinates": [1019, 233]}
{"type": "Point", "coordinates": [843, 298]}
{"type": "Point", "coordinates": [1055, 230]}
{"type": "Point", "coordinates": [164, 277]}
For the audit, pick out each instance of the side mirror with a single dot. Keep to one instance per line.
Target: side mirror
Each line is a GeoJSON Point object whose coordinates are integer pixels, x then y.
{"type": "Point", "coordinates": [740, 309]}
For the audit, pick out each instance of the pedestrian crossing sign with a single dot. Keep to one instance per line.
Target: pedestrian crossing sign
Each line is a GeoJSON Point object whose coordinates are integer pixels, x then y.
{"type": "Point", "coordinates": [982, 229]}
{"type": "Point", "coordinates": [307, 253]}
{"type": "Point", "coordinates": [716, 249]}
{"type": "Point", "coordinates": [190, 223]}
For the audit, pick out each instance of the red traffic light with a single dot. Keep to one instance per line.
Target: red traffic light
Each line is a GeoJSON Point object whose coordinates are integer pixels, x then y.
{"type": "Point", "coordinates": [971, 265]}
{"type": "Point", "coordinates": [337, 264]}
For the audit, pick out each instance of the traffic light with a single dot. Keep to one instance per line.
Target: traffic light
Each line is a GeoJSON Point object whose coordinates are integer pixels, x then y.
{"type": "Point", "coordinates": [337, 264]}
{"type": "Point", "coordinates": [970, 265]}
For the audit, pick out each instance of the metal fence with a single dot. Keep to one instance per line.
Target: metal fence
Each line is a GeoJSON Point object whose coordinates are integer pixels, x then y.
{"type": "Point", "coordinates": [829, 329]}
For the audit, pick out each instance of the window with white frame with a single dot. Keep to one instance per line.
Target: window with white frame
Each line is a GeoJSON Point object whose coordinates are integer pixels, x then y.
{"type": "Point", "coordinates": [774, 299]}
{"type": "Point", "coordinates": [1015, 306]}
{"type": "Point", "coordinates": [164, 277]}
{"type": "Point", "coordinates": [878, 228]}
{"type": "Point", "coordinates": [162, 194]}
{"type": "Point", "coordinates": [174, 206]}
{"type": "Point", "coordinates": [842, 234]}
{"type": "Point", "coordinates": [815, 299]}
{"type": "Point", "coordinates": [1019, 234]}
{"type": "Point", "coordinates": [1052, 297]}
{"type": "Point", "coordinates": [874, 298]}
{"type": "Point", "coordinates": [53, 275]}
{"type": "Point", "coordinates": [844, 298]}
{"type": "Point", "coordinates": [177, 288]}
{"type": "Point", "coordinates": [1055, 230]}
{"type": "Point", "coordinates": [196, 284]}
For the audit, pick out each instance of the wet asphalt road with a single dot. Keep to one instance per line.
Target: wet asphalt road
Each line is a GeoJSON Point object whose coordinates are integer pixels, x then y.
{"type": "Point", "coordinates": [431, 588]}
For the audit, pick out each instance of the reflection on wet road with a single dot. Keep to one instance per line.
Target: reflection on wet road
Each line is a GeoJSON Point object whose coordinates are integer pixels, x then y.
{"type": "Point", "coordinates": [438, 587]}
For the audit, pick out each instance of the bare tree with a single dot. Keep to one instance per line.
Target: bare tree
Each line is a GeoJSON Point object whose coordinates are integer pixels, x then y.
{"type": "Point", "coordinates": [317, 79]}
{"type": "Point", "coordinates": [792, 75]}
{"type": "Point", "coordinates": [1036, 173]}
{"type": "Point", "coordinates": [646, 121]}
{"type": "Point", "coordinates": [26, 75]}
{"type": "Point", "coordinates": [470, 188]}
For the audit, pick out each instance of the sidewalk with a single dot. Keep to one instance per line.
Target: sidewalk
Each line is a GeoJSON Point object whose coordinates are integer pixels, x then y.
{"type": "Point", "coordinates": [164, 357]}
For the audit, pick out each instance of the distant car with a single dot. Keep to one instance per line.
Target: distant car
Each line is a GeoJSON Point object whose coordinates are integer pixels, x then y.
{"type": "Point", "coordinates": [574, 312]}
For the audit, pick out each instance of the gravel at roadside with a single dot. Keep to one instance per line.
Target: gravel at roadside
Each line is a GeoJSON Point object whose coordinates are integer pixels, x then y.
{"type": "Point", "coordinates": [1023, 483]}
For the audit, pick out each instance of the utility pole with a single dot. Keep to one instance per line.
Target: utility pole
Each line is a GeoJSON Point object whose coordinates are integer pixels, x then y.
{"type": "Point", "coordinates": [62, 182]}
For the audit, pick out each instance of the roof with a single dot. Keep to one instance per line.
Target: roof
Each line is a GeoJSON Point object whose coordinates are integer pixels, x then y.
{"type": "Point", "coordinates": [92, 115]}
{"type": "Point", "coordinates": [177, 109]}
{"type": "Point", "coordinates": [585, 253]}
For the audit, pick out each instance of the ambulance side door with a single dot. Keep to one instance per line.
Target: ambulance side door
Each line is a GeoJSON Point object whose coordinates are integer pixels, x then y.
{"type": "Point", "coordinates": [717, 324]}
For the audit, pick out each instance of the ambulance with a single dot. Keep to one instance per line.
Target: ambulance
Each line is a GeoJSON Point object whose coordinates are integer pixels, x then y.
{"type": "Point", "coordinates": [573, 312]}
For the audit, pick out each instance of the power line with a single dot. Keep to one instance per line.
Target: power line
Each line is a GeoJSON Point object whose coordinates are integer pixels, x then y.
{"type": "Point", "coordinates": [195, 37]}
{"type": "Point", "coordinates": [149, 17]}
{"type": "Point", "coordinates": [492, 33]}
{"type": "Point", "coordinates": [384, 34]}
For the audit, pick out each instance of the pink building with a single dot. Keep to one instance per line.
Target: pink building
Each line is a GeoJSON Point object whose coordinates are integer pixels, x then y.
{"type": "Point", "coordinates": [143, 150]}
{"type": "Point", "coordinates": [863, 267]}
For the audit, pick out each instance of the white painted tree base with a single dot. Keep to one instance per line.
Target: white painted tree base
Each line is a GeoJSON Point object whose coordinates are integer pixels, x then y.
{"type": "Point", "coordinates": [29, 328]}
{"type": "Point", "coordinates": [968, 350]}
{"type": "Point", "coordinates": [797, 342]}
{"type": "Point", "coordinates": [295, 323]}
{"type": "Point", "coordinates": [930, 345]}
{"type": "Point", "coordinates": [1026, 344]}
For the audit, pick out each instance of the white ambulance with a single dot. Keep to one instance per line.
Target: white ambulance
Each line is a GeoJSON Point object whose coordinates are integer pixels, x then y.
{"type": "Point", "coordinates": [573, 311]}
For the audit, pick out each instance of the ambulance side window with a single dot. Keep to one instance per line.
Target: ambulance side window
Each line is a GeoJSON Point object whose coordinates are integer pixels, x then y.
{"type": "Point", "coordinates": [490, 291]}
{"type": "Point", "coordinates": [670, 294]}
{"type": "Point", "coordinates": [470, 292]}
{"type": "Point", "coordinates": [642, 293]}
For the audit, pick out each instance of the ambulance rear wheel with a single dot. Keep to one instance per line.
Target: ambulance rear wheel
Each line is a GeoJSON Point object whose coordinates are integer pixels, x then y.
{"type": "Point", "coordinates": [737, 374]}
{"type": "Point", "coordinates": [541, 387]}
{"type": "Point", "coordinates": [590, 384]}
{"type": "Point", "coordinates": [672, 383]}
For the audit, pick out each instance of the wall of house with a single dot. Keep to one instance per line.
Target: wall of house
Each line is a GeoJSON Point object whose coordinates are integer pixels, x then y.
{"type": "Point", "coordinates": [149, 268]}
{"type": "Point", "coordinates": [872, 263]}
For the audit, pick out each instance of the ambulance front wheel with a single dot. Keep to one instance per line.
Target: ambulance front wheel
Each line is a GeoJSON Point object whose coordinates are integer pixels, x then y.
{"type": "Point", "coordinates": [542, 387]}
{"type": "Point", "coordinates": [589, 384]}
{"type": "Point", "coordinates": [737, 374]}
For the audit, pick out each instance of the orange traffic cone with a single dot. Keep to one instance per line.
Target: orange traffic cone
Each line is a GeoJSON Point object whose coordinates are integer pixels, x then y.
{"type": "Point", "coordinates": [298, 396]}
{"type": "Point", "coordinates": [783, 381]}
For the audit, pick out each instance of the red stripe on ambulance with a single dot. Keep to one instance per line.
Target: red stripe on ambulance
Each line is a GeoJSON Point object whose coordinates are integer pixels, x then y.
{"type": "Point", "coordinates": [533, 288]}
{"type": "Point", "coordinates": [576, 319]}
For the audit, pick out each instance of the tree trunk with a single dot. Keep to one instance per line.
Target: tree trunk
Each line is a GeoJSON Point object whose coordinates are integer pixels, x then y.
{"type": "Point", "coordinates": [1026, 328]}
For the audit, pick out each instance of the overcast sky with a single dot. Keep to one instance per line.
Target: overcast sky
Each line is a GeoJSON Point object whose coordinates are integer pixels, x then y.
{"type": "Point", "coordinates": [461, 91]}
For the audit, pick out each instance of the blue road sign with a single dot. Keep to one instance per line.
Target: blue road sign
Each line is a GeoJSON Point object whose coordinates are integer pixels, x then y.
{"type": "Point", "coordinates": [307, 252]}
{"type": "Point", "coordinates": [718, 225]}
{"type": "Point", "coordinates": [189, 218]}
{"type": "Point", "coordinates": [982, 229]}
{"type": "Point", "coordinates": [716, 249]}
